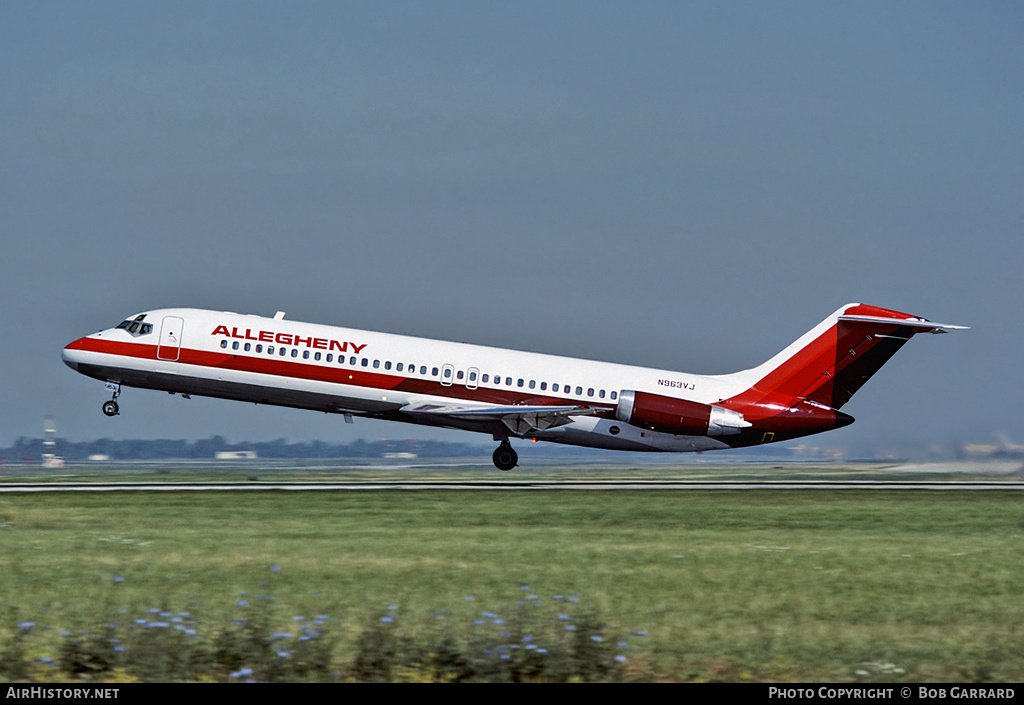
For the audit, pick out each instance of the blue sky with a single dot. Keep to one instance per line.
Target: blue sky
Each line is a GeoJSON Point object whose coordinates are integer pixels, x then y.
{"type": "Point", "coordinates": [681, 185]}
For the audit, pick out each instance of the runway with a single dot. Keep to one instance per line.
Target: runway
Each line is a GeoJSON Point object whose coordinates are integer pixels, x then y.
{"type": "Point", "coordinates": [498, 485]}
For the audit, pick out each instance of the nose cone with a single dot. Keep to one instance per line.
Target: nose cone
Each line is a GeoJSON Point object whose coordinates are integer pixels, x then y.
{"type": "Point", "coordinates": [72, 353]}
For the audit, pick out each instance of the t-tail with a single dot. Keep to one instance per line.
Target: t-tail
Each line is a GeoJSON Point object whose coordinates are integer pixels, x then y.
{"type": "Point", "coordinates": [801, 390]}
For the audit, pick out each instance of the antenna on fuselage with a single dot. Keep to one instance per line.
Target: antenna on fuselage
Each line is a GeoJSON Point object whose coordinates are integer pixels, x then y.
{"type": "Point", "coordinates": [279, 316]}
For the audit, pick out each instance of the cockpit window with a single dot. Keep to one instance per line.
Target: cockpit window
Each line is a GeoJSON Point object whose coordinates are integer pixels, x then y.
{"type": "Point", "coordinates": [136, 327]}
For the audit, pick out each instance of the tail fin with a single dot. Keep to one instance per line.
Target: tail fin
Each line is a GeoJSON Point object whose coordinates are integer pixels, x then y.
{"type": "Point", "coordinates": [827, 365]}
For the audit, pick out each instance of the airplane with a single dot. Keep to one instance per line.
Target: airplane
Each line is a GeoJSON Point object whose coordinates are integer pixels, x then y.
{"type": "Point", "coordinates": [507, 393]}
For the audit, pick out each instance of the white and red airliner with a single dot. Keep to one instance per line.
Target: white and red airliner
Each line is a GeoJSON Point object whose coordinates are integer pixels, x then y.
{"type": "Point", "coordinates": [506, 393]}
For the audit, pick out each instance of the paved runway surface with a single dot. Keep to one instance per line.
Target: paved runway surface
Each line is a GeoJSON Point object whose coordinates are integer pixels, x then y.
{"type": "Point", "coordinates": [257, 486]}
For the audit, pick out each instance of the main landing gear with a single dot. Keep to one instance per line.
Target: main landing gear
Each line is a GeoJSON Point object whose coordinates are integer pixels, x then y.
{"type": "Point", "coordinates": [110, 407]}
{"type": "Point", "coordinates": [504, 457]}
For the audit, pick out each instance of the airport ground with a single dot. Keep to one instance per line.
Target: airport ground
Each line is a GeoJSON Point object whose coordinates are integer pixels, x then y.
{"type": "Point", "coordinates": [754, 585]}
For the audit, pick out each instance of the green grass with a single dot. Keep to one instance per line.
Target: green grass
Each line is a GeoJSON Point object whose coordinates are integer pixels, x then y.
{"type": "Point", "coordinates": [725, 585]}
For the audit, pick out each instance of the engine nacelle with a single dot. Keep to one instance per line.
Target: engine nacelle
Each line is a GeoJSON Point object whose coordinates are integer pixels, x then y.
{"type": "Point", "coordinates": [677, 416]}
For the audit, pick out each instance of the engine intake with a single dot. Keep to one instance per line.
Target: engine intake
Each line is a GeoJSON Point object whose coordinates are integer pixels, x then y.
{"type": "Point", "coordinates": [677, 416]}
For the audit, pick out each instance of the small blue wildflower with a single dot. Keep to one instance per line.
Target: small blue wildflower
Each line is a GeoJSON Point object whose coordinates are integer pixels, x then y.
{"type": "Point", "coordinates": [284, 653]}
{"type": "Point", "coordinates": [45, 659]}
{"type": "Point", "coordinates": [392, 608]}
{"type": "Point", "coordinates": [620, 659]}
{"type": "Point", "coordinates": [25, 627]}
{"type": "Point", "coordinates": [242, 672]}
{"type": "Point", "coordinates": [388, 618]}
{"type": "Point", "coordinates": [639, 632]}
{"type": "Point", "coordinates": [116, 578]}
{"type": "Point", "coordinates": [596, 638]}
{"type": "Point", "coordinates": [242, 603]}
{"type": "Point", "coordinates": [570, 627]}
{"type": "Point", "coordinates": [118, 649]}
{"type": "Point", "coordinates": [563, 617]}
{"type": "Point", "coordinates": [275, 569]}
{"type": "Point", "coordinates": [469, 598]}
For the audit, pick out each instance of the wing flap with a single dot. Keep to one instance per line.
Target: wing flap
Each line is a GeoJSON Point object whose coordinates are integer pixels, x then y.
{"type": "Point", "coordinates": [520, 420]}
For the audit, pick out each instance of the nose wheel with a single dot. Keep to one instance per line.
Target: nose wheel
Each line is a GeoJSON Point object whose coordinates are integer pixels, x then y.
{"type": "Point", "coordinates": [504, 457]}
{"type": "Point", "coordinates": [110, 407]}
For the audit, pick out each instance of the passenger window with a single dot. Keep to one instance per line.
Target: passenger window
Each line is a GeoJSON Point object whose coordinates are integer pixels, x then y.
{"type": "Point", "coordinates": [579, 391]}
{"type": "Point", "coordinates": [590, 392]}
{"type": "Point", "coordinates": [234, 345]}
{"type": "Point", "coordinates": [423, 369]}
{"type": "Point", "coordinates": [485, 378]}
{"type": "Point", "coordinates": [533, 384]}
{"type": "Point", "coordinates": [615, 395]}
{"type": "Point", "coordinates": [224, 344]}
{"type": "Point", "coordinates": [295, 352]}
{"type": "Point", "coordinates": [543, 386]}
{"type": "Point", "coordinates": [270, 350]}
{"type": "Point", "coordinates": [387, 365]}
{"type": "Point", "coordinates": [330, 357]}
{"type": "Point", "coordinates": [398, 367]}
{"type": "Point", "coordinates": [366, 362]}
{"type": "Point", "coordinates": [316, 356]}
{"type": "Point", "coordinates": [248, 346]}
{"type": "Point", "coordinates": [376, 364]}
{"type": "Point", "coordinates": [305, 354]}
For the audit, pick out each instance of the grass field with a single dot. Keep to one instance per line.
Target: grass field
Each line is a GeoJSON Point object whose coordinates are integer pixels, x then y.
{"type": "Point", "coordinates": [808, 585]}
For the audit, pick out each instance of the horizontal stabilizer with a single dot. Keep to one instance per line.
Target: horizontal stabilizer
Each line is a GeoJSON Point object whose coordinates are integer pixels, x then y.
{"type": "Point", "coordinates": [925, 325]}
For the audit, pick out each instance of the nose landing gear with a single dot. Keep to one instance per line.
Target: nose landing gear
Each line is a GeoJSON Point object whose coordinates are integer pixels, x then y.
{"type": "Point", "coordinates": [110, 407]}
{"type": "Point", "coordinates": [504, 457]}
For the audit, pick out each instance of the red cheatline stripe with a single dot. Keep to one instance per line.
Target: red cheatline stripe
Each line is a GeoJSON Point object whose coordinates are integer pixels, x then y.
{"type": "Point", "coordinates": [320, 373]}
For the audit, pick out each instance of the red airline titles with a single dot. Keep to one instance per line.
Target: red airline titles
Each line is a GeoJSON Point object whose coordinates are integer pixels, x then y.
{"type": "Point", "coordinates": [269, 336]}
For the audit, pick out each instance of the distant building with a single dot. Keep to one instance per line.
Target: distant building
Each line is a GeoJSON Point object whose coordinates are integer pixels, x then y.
{"type": "Point", "coordinates": [235, 455]}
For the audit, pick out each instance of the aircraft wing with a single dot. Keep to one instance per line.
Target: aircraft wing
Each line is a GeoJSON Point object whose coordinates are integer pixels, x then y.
{"type": "Point", "coordinates": [521, 420]}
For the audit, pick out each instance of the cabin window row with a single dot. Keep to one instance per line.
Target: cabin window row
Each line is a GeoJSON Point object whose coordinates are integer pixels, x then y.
{"type": "Point", "coordinates": [447, 373]}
